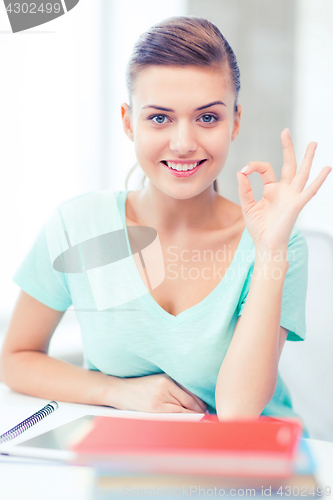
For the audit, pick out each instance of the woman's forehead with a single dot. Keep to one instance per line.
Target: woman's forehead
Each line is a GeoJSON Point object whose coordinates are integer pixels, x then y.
{"type": "Point", "coordinates": [174, 83]}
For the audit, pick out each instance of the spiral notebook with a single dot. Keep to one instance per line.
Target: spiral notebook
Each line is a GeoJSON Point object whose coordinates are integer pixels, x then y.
{"type": "Point", "coordinates": [29, 422]}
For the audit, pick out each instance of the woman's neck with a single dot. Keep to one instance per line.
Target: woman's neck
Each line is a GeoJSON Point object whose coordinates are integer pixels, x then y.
{"type": "Point", "coordinates": [156, 209]}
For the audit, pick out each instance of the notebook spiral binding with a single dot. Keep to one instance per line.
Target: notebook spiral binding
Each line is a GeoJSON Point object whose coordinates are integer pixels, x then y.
{"type": "Point", "coordinates": [29, 422]}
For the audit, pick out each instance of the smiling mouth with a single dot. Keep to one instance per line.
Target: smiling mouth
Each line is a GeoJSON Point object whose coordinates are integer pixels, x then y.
{"type": "Point", "coordinates": [182, 167]}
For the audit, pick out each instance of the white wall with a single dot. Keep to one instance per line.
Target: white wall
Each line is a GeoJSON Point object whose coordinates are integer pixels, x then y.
{"type": "Point", "coordinates": [48, 127]}
{"type": "Point", "coordinates": [313, 119]}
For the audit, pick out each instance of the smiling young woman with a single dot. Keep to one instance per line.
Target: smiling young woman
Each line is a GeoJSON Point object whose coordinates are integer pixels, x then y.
{"type": "Point", "coordinates": [208, 332]}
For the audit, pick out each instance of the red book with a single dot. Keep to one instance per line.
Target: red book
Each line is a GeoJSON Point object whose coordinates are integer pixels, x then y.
{"type": "Point", "coordinates": [263, 447]}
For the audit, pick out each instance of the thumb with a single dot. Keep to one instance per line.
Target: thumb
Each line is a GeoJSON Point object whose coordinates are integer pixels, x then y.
{"type": "Point", "coordinates": [245, 192]}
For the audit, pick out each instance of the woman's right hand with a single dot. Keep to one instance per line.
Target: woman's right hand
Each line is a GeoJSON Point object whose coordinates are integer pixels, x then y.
{"type": "Point", "coordinates": [157, 393]}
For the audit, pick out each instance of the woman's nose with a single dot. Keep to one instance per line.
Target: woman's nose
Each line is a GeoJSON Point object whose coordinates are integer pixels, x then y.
{"type": "Point", "coordinates": [183, 139]}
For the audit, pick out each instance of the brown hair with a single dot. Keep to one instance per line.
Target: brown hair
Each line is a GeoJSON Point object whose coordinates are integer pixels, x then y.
{"type": "Point", "coordinates": [182, 41]}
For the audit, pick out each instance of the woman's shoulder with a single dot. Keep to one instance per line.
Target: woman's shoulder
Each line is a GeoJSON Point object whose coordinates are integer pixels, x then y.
{"type": "Point", "coordinates": [86, 215]}
{"type": "Point", "coordinates": [87, 206]}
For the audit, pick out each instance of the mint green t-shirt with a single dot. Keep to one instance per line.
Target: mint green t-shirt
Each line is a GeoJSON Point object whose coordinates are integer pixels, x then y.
{"type": "Point", "coordinates": [125, 332]}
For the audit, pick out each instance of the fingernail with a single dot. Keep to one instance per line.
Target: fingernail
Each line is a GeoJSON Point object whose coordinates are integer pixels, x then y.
{"type": "Point", "coordinates": [244, 169]}
{"type": "Point", "coordinates": [287, 129]}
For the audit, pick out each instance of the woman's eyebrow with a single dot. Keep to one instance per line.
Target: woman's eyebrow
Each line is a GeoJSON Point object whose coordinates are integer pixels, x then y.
{"type": "Point", "coordinates": [172, 111]}
{"type": "Point", "coordinates": [157, 107]}
{"type": "Point", "coordinates": [211, 104]}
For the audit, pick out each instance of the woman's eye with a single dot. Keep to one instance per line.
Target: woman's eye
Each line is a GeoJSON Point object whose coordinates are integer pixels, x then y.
{"type": "Point", "coordinates": [158, 119]}
{"type": "Point", "coordinates": [209, 118]}
{"type": "Point", "coordinates": [162, 119]}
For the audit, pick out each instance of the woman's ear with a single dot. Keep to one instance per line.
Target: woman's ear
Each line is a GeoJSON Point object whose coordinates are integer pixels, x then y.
{"type": "Point", "coordinates": [235, 130]}
{"type": "Point", "coordinates": [127, 121]}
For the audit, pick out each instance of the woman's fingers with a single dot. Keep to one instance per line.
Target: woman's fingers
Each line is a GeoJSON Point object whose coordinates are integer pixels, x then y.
{"type": "Point", "coordinates": [289, 160]}
{"type": "Point", "coordinates": [312, 189]}
{"type": "Point", "coordinates": [202, 405]}
{"type": "Point", "coordinates": [174, 408]}
{"type": "Point", "coordinates": [245, 192]}
{"type": "Point", "coordinates": [187, 400]}
{"type": "Point", "coordinates": [302, 176]}
{"type": "Point", "coordinates": [263, 168]}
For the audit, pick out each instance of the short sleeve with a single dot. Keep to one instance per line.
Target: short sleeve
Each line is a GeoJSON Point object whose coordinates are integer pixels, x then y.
{"type": "Point", "coordinates": [37, 278]}
{"type": "Point", "coordinates": [294, 288]}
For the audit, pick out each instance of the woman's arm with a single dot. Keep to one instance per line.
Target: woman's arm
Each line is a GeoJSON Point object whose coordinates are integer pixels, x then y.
{"type": "Point", "coordinates": [247, 378]}
{"type": "Point", "coordinates": [25, 366]}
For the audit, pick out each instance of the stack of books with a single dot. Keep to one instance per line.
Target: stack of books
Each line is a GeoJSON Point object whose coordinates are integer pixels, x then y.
{"type": "Point", "coordinates": [136, 457]}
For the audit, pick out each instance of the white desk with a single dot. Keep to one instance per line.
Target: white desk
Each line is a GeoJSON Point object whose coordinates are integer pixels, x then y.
{"type": "Point", "coordinates": [24, 480]}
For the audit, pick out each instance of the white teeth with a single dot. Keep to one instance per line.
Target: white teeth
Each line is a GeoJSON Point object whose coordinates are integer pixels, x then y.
{"type": "Point", "coordinates": [180, 167]}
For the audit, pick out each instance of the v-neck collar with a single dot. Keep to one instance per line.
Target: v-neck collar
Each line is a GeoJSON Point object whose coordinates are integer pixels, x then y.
{"type": "Point", "coordinates": [195, 310]}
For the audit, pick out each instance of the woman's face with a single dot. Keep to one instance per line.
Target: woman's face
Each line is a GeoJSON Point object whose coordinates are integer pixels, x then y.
{"type": "Point", "coordinates": [181, 117]}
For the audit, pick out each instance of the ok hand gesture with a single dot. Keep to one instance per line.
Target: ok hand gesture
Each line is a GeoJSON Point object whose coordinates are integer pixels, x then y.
{"type": "Point", "coordinates": [270, 221]}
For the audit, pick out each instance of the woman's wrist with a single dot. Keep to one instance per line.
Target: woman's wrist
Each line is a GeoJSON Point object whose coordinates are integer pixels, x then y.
{"type": "Point", "coordinates": [109, 391]}
{"type": "Point", "coordinates": [270, 264]}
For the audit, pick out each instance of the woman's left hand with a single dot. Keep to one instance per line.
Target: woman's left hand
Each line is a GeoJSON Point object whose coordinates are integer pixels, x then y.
{"type": "Point", "coordinates": [270, 221]}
